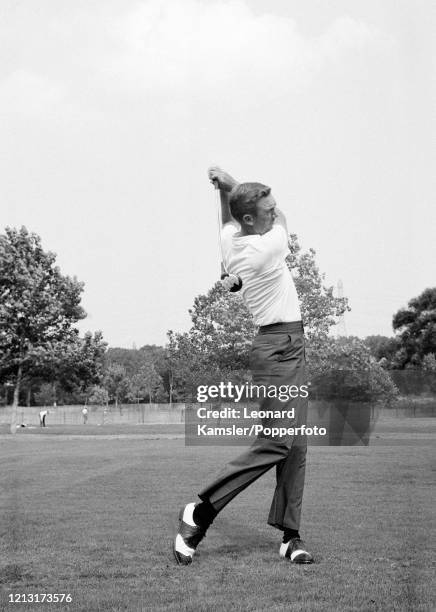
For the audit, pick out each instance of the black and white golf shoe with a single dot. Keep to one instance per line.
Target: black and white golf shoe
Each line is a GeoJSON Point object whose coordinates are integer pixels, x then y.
{"type": "Point", "coordinates": [188, 537]}
{"type": "Point", "coordinates": [295, 551]}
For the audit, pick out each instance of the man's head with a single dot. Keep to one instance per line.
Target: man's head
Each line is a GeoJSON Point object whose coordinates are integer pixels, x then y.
{"type": "Point", "coordinates": [253, 206]}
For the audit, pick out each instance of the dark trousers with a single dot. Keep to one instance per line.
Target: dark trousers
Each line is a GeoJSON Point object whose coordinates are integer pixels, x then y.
{"type": "Point", "coordinates": [277, 360]}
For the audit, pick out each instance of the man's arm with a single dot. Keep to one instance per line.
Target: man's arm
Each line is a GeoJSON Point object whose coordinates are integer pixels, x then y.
{"type": "Point", "coordinates": [226, 215]}
{"type": "Point", "coordinates": [225, 183]}
{"type": "Point", "coordinates": [281, 220]}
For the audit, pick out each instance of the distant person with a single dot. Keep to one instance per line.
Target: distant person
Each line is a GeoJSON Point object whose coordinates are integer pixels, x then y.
{"type": "Point", "coordinates": [85, 415]}
{"type": "Point", "coordinates": [42, 417]}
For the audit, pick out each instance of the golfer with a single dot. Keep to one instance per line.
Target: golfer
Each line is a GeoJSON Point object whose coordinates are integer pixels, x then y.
{"type": "Point", "coordinates": [255, 245]}
{"type": "Point", "coordinates": [42, 416]}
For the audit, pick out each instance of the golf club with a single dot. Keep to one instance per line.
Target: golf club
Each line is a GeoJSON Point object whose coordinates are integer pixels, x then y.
{"type": "Point", "coordinates": [234, 283]}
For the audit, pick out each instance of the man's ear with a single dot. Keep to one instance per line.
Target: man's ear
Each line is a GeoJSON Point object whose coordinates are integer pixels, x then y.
{"type": "Point", "coordinates": [248, 219]}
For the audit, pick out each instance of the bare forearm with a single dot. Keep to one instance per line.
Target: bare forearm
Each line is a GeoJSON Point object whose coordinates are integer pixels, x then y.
{"type": "Point", "coordinates": [225, 183]}
{"type": "Point", "coordinates": [226, 216]}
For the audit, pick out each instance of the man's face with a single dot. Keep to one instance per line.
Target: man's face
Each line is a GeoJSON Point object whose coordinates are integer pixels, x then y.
{"type": "Point", "coordinates": [266, 215]}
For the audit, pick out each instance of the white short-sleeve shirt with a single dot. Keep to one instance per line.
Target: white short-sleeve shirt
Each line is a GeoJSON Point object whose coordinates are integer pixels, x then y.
{"type": "Point", "coordinates": [268, 288]}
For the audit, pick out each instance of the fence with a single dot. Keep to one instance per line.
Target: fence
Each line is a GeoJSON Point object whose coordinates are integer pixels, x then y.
{"type": "Point", "coordinates": [148, 414]}
{"type": "Point", "coordinates": [99, 415]}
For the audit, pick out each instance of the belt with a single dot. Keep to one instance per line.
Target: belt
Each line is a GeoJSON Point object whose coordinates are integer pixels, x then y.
{"type": "Point", "coordinates": [292, 328]}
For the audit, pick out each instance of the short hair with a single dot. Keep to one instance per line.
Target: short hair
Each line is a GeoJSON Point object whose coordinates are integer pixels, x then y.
{"type": "Point", "coordinates": [244, 197]}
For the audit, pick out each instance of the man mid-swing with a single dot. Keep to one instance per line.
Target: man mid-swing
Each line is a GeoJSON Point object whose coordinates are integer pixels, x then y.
{"type": "Point", "coordinates": [256, 253]}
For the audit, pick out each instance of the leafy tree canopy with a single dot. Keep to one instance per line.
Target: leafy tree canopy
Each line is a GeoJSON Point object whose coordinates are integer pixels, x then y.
{"type": "Point", "coordinates": [383, 347]}
{"type": "Point", "coordinates": [319, 308]}
{"type": "Point", "coordinates": [38, 309]}
{"type": "Point", "coordinates": [416, 327]}
{"type": "Point", "coordinates": [343, 368]}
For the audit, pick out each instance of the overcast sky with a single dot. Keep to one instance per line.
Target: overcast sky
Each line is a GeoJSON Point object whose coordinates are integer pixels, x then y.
{"type": "Point", "coordinates": [112, 110]}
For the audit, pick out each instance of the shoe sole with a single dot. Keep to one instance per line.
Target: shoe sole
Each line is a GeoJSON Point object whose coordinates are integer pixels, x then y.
{"type": "Point", "coordinates": [302, 560]}
{"type": "Point", "coordinates": [178, 560]}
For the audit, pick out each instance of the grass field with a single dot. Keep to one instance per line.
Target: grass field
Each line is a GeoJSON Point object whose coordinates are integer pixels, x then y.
{"type": "Point", "coordinates": [95, 515]}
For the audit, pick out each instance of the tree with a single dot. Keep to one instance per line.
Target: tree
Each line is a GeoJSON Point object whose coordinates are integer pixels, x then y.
{"type": "Point", "coordinates": [383, 348]}
{"type": "Point", "coordinates": [116, 382]}
{"type": "Point", "coordinates": [190, 363]}
{"type": "Point", "coordinates": [46, 395]}
{"type": "Point", "coordinates": [416, 328]}
{"type": "Point", "coordinates": [145, 383]}
{"type": "Point", "coordinates": [98, 396]}
{"type": "Point", "coordinates": [344, 369]}
{"type": "Point", "coordinates": [319, 308]}
{"type": "Point", "coordinates": [217, 346]}
{"type": "Point", "coordinates": [38, 309]}
{"type": "Point", "coordinates": [152, 380]}
{"type": "Point", "coordinates": [68, 367]}
{"type": "Point", "coordinates": [73, 364]}
{"type": "Point", "coordinates": [133, 359]}
{"type": "Point", "coordinates": [429, 362]}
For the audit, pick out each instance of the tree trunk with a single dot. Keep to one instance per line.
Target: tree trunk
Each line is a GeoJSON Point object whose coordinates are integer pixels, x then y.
{"type": "Point", "coordinates": [16, 400]}
{"type": "Point", "coordinates": [28, 396]}
{"type": "Point", "coordinates": [171, 389]}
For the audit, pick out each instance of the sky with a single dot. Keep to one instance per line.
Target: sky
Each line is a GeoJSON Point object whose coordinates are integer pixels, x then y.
{"type": "Point", "coordinates": [111, 112]}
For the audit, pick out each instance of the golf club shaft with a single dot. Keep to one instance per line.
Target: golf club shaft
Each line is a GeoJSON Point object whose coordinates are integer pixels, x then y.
{"type": "Point", "coordinates": [218, 204]}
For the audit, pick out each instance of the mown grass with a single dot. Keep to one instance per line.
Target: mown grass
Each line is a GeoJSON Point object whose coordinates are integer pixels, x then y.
{"type": "Point", "coordinates": [95, 517]}
{"type": "Point", "coordinates": [109, 429]}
